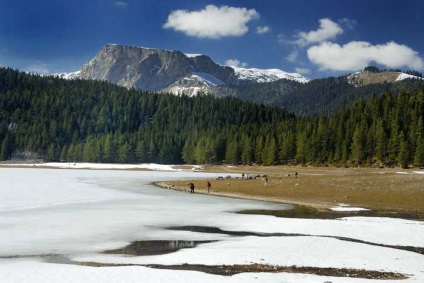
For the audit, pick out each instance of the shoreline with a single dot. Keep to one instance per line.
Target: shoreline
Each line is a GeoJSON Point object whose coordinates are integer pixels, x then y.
{"type": "Point", "coordinates": [301, 209]}
{"type": "Point", "coordinates": [380, 191]}
{"type": "Point", "coordinates": [169, 186]}
{"type": "Point", "coordinates": [388, 192]}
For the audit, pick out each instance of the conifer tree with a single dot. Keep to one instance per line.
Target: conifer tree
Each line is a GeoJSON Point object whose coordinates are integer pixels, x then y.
{"type": "Point", "coordinates": [5, 148]}
{"type": "Point", "coordinates": [419, 152]}
{"type": "Point", "coordinates": [246, 150]}
{"type": "Point", "coordinates": [403, 157]}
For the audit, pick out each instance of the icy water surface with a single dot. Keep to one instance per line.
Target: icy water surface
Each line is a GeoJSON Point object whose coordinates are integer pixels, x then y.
{"type": "Point", "coordinates": [52, 211]}
{"type": "Point", "coordinates": [116, 226]}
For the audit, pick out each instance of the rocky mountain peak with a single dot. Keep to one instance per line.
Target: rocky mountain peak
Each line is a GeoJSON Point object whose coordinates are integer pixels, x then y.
{"type": "Point", "coordinates": [172, 71]}
{"type": "Point", "coordinates": [148, 68]}
{"type": "Point", "coordinates": [372, 75]}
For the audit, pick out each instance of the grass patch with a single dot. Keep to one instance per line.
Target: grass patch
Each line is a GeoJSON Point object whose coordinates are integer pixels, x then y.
{"type": "Point", "coordinates": [385, 191]}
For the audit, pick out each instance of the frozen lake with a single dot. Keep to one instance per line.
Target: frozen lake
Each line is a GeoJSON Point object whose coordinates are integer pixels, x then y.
{"type": "Point", "coordinates": [78, 214]}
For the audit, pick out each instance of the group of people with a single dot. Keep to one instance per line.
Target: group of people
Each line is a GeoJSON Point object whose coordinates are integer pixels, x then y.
{"type": "Point", "coordinates": [208, 185]}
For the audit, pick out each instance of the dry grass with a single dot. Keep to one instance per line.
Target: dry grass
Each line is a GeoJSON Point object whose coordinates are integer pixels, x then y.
{"type": "Point", "coordinates": [376, 189]}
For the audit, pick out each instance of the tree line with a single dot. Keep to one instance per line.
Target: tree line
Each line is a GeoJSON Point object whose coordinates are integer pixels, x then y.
{"type": "Point", "coordinates": [74, 121]}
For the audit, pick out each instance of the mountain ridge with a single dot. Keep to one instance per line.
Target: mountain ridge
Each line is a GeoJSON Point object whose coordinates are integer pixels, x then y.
{"type": "Point", "coordinates": [172, 71]}
{"type": "Point", "coordinates": [161, 70]}
{"type": "Point", "coordinates": [93, 121]}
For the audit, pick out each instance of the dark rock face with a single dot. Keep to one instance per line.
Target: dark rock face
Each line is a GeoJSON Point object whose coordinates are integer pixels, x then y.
{"type": "Point", "coordinates": [150, 69]}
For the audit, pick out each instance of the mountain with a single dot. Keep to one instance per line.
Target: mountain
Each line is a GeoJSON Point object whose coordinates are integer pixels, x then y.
{"type": "Point", "coordinates": [161, 70]}
{"type": "Point", "coordinates": [174, 72]}
{"type": "Point", "coordinates": [375, 76]}
{"type": "Point", "coordinates": [253, 75]}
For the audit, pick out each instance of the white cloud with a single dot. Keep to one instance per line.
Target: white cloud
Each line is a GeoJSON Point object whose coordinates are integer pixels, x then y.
{"type": "Point", "coordinates": [327, 30]}
{"type": "Point", "coordinates": [121, 4]}
{"type": "Point", "coordinates": [302, 71]}
{"type": "Point", "coordinates": [212, 22]}
{"type": "Point", "coordinates": [262, 29]}
{"type": "Point", "coordinates": [236, 63]}
{"type": "Point", "coordinates": [356, 55]}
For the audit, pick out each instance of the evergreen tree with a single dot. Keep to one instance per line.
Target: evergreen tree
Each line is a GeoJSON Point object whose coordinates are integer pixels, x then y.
{"type": "Point", "coordinates": [232, 155]}
{"type": "Point", "coordinates": [270, 151]}
{"type": "Point", "coordinates": [246, 150]}
{"type": "Point", "coordinates": [403, 157]}
{"type": "Point", "coordinates": [5, 149]}
{"type": "Point", "coordinates": [419, 153]}
{"type": "Point", "coordinates": [98, 122]}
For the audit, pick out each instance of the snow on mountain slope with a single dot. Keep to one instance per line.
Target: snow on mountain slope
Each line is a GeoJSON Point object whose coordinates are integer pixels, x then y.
{"type": "Point", "coordinates": [67, 76]}
{"type": "Point", "coordinates": [194, 84]}
{"type": "Point", "coordinates": [207, 79]}
{"type": "Point", "coordinates": [265, 75]}
{"type": "Point", "coordinates": [403, 76]}
{"type": "Point", "coordinates": [192, 55]}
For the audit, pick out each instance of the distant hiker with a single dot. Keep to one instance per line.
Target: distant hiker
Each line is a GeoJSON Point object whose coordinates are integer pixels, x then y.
{"type": "Point", "coordinates": [242, 176]}
{"type": "Point", "coordinates": [192, 188]}
{"type": "Point", "coordinates": [295, 174]}
{"type": "Point", "coordinates": [209, 186]}
{"type": "Point", "coordinates": [266, 181]}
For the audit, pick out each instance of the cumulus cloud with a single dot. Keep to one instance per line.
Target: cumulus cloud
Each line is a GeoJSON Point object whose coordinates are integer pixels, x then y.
{"type": "Point", "coordinates": [356, 55]}
{"type": "Point", "coordinates": [236, 63]}
{"type": "Point", "coordinates": [212, 21]}
{"type": "Point", "coordinates": [262, 29]}
{"type": "Point", "coordinates": [327, 30]}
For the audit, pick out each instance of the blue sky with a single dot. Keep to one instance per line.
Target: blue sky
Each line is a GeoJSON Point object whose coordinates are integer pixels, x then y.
{"type": "Point", "coordinates": [315, 38]}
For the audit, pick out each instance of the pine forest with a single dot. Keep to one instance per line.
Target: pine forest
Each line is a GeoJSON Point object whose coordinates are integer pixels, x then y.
{"type": "Point", "coordinates": [73, 121]}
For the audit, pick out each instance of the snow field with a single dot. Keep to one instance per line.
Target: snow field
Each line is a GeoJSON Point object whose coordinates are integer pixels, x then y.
{"type": "Point", "coordinates": [80, 213]}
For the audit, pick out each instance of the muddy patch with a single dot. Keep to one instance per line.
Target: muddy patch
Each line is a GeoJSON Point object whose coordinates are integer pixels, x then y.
{"type": "Point", "coordinates": [229, 270]}
{"type": "Point", "coordinates": [140, 248]}
{"type": "Point", "coordinates": [306, 212]}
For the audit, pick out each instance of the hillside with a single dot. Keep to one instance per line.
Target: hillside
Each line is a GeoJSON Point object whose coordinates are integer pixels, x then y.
{"type": "Point", "coordinates": [368, 77]}
{"type": "Point", "coordinates": [61, 120]}
{"type": "Point", "coordinates": [171, 71]}
{"type": "Point", "coordinates": [319, 96]}
{"type": "Point", "coordinates": [330, 95]}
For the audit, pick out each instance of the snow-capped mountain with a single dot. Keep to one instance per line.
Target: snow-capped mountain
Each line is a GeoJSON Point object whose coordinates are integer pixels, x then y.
{"type": "Point", "coordinates": [68, 76]}
{"type": "Point", "coordinates": [194, 84]}
{"type": "Point", "coordinates": [250, 75]}
{"type": "Point", "coordinates": [170, 71]}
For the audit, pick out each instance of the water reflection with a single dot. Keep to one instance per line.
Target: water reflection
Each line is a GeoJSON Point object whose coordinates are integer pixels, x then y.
{"type": "Point", "coordinates": [140, 248]}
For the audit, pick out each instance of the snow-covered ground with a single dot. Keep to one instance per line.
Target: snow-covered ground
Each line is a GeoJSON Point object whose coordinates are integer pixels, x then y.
{"type": "Point", "coordinates": [103, 166]}
{"type": "Point", "coordinates": [346, 207]}
{"type": "Point", "coordinates": [77, 214]}
{"type": "Point", "coordinates": [403, 76]}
